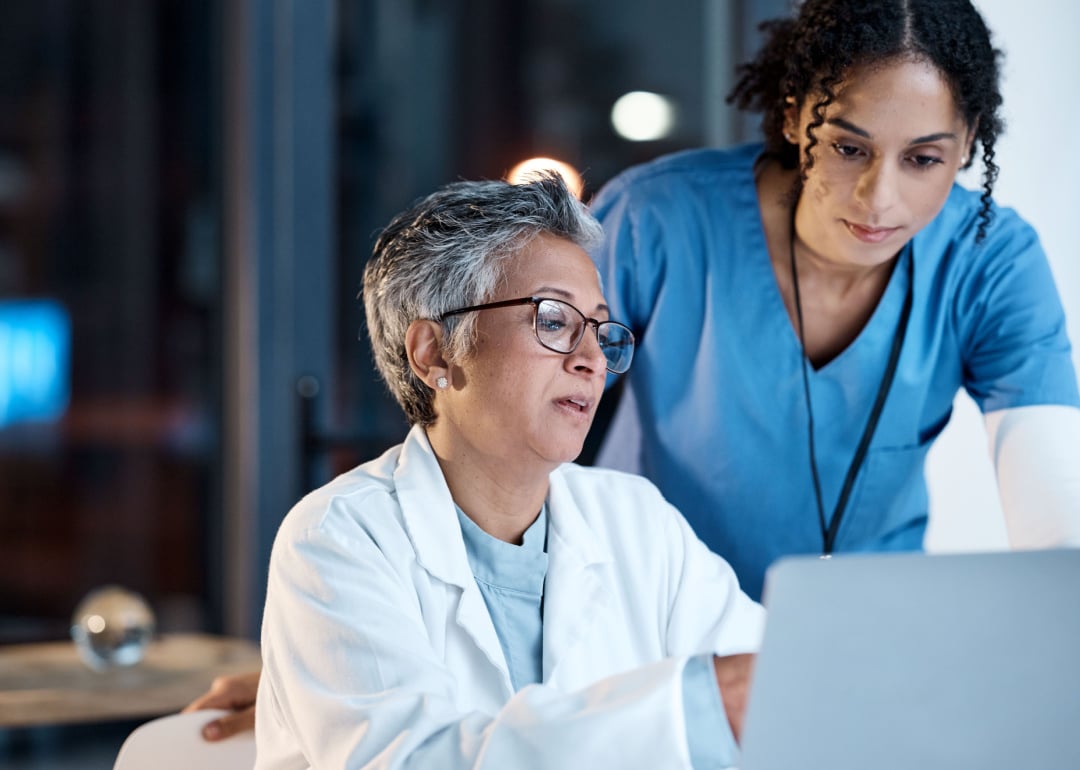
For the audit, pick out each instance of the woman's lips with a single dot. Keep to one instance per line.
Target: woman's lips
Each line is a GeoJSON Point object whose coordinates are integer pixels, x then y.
{"type": "Point", "coordinates": [578, 409]}
{"type": "Point", "coordinates": [870, 234]}
{"type": "Point", "coordinates": [575, 404]}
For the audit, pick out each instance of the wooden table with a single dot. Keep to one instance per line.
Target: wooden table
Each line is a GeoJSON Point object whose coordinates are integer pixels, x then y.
{"type": "Point", "coordinates": [49, 684]}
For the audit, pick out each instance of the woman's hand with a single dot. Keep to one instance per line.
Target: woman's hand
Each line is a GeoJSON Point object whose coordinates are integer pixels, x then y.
{"type": "Point", "coordinates": [235, 693]}
{"type": "Point", "coordinates": [733, 674]}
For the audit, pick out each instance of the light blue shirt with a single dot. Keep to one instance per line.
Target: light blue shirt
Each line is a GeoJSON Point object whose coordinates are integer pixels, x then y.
{"type": "Point", "coordinates": [511, 580]}
{"type": "Point", "coordinates": [713, 409]}
{"type": "Point", "coordinates": [708, 733]}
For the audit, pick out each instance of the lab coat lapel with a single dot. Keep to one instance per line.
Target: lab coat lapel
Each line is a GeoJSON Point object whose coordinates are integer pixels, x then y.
{"type": "Point", "coordinates": [577, 600]}
{"type": "Point", "coordinates": [431, 521]}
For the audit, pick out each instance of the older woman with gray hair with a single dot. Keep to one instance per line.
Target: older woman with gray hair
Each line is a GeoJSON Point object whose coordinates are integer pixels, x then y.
{"type": "Point", "coordinates": [472, 598]}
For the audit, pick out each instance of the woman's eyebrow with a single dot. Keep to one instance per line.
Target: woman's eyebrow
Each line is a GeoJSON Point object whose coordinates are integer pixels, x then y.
{"type": "Point", "coordinates": [543, 290]}
{"type": "Point", "coordinates": [560, 293]}
{"type": "Point", "coordinates": [849, 126]}
{"type": "Point", "coordinates": [948, 135]}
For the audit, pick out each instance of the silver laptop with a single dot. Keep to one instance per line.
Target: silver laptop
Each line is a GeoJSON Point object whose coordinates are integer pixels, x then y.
{"type": "Point", "coordinates": [919, 661]}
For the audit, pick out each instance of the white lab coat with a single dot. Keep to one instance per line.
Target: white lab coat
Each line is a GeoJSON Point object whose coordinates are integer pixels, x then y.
{"type": "Point", "coordinates": [378, 650]}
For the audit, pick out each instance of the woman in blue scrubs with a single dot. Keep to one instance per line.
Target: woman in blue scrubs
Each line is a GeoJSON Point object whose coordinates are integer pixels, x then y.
{"type": "Point", "coordinates": [807, 307]}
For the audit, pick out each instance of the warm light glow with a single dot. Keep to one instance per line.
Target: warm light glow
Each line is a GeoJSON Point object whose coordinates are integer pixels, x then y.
{"type": "Point", "coordinates": [96, 624]}
{"type": "Point", "coordinates": [527, 168]}
{"type": "Point", "coordinates": [642, 116]}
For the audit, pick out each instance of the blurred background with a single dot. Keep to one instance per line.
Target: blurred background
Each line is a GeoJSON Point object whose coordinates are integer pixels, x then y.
{"type": "Point", "coordinates": [188, 193]}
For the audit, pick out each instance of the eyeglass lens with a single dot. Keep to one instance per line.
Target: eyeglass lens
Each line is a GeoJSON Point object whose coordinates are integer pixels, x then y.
{"type": "Point", "coordinates": [560, 327]}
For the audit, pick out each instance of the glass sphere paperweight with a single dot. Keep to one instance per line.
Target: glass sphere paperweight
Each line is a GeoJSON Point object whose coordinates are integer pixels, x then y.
{"type": "Point", "coordinates": [112, 627]}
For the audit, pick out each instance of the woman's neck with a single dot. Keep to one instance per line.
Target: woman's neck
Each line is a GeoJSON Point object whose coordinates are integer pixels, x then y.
{"type": "Point", "coordinates": [837, 283]}
{"type": "Point", "coordinates": [502, 500]}
{"type": "Point", "coordinates": [838, 299]}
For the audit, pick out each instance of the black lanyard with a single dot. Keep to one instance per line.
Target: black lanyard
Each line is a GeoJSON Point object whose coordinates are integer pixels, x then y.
{"type": "Point", "coordinates": [832, 527]}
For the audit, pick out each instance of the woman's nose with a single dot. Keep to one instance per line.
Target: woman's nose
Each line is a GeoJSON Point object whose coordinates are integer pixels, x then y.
{"type": "Point", "coordinates": [877, 187]}
{"type": "Point", "coordinates": [588, 354]}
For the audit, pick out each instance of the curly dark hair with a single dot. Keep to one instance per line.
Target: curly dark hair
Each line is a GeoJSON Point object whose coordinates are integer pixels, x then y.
{"type": "Point", "coordinates": [809, 55]}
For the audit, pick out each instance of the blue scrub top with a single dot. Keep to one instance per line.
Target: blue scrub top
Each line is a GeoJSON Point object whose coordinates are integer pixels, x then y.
{"type": "Point", "coordinates": [713, 409]}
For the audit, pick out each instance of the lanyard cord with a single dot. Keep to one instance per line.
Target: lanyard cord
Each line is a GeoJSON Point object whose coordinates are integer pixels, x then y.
{"type": "Point", "coordinates": [829, 530]}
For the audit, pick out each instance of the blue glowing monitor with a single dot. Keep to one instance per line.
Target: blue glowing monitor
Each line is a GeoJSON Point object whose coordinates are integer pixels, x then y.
{"type": "Point", "coordinates": [35, 347]}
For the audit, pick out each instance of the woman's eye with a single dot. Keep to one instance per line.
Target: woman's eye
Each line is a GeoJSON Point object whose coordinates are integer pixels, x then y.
{"type": "Point", "coordinates": [925, 161]}
{"type": "Point", "coordinates": [551, 324]}
{"type": "Point", "coordinates": [846, 150]}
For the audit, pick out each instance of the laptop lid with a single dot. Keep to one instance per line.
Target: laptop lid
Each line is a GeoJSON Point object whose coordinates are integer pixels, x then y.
{"type": "Point", "coordinates": [918, 661]}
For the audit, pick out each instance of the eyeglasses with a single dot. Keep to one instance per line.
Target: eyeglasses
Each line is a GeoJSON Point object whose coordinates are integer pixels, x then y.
{"type": "Point", "coordinates": [560, 327]}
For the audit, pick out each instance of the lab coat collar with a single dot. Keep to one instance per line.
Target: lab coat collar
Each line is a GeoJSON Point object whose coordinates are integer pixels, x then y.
{"type": "Point", "coordinates": [431, 519]}
{"type": "Point", "coordinates": [576, 596]}
{"type": "Point", "coordinates": [568, 525]}
{"type": "Point", "coordinates": [428, 512]}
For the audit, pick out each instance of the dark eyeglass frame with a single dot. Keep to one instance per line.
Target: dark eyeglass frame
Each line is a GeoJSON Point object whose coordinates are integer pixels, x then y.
{"type": "Point", "coordinates": [535, 302]}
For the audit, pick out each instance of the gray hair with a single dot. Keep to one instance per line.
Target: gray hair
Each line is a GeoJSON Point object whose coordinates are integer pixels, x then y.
{"type": "Point", "coordinates": [451, 250]}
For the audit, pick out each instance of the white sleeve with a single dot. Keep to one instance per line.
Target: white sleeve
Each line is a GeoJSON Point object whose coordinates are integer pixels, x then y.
{"type": "Point", "coordinates": [1036, 454]}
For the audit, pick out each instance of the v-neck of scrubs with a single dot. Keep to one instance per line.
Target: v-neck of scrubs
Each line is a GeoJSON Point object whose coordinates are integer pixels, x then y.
{"type": "Point", "coordinates": [881, 324]}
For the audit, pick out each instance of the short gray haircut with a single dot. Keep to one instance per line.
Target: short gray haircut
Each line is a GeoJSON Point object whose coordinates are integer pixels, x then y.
{"type": "Point", "coordinates": [451, 250]}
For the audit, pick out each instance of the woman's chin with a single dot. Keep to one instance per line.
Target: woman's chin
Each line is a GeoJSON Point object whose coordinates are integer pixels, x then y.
{"type": "Point", "coordinates": [573, 452]}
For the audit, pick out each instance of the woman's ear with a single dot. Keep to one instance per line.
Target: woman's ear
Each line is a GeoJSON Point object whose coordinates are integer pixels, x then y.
{"type": "Point", "coordinates": [791, 120]}
{"type": "Point", "coordinates": [969, 143]}
{"type": "Point", "coordinates": [423, 346]}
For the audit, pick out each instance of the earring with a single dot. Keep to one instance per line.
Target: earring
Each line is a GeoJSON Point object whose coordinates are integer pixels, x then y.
{"type": "Point", "coordinates": [789, 137]}
{"type": "Point", "coordinates": [441, 383]}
